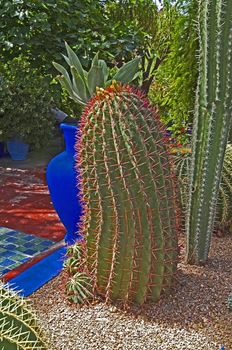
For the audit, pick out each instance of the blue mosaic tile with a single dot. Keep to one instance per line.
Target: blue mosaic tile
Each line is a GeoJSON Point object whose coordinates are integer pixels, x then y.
{"type": "Point", "coordinates": [10, 246]}
{"type": "Point", "coordinates": [7, 262]}
{"type": "Point", "coordinates": [12, 233]}
{"type": "Point", "coordinates": [11, 239]}
{"type": "Point", "coordinates": [27, 245]}
{"type": "Point", "coordinates": [30, 238]}
{"type": "Point", "coordinates": [7, 253]}
{"type": "Point", "coordinates": [18, 247]}
{"type": "Point", "coordinates": [29, 251]}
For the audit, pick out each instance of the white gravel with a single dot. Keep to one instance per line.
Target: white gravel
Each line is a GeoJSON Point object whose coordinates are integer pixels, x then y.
{"type": "Point", "coordinates": [195, 316]}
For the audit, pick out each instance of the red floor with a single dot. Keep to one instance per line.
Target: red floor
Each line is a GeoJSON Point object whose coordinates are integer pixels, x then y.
{"type": "Point", "coordinates": [25, 204]}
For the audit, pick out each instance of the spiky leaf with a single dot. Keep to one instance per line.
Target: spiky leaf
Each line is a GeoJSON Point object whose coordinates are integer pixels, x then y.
{"type": "Point", "coordinates": [74, 61]}
{"type": "Point", "coordinates": [104, 68]}
{"type": "Point", "coordinates": [128, 71]}
{"type": "Point", "coordinates": [95, 78]}
{"type": "Point", "coordinates": [79, 86]}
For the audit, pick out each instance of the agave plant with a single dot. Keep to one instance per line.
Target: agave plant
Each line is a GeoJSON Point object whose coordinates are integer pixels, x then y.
{"type": "Point", "coordinates": [81, 85]}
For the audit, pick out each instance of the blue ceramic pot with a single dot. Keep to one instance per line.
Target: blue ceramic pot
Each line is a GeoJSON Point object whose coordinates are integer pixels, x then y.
{"type": "Point", "coordinates": [1, 149]}
{"type": "Point", "coordinates": [62, 184]}
{"type": "Point", "coordinates": [17, 149]}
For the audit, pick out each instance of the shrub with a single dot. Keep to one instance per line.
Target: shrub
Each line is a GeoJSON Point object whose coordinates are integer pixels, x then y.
{"type": "Point", "coordinates": [25, 100]}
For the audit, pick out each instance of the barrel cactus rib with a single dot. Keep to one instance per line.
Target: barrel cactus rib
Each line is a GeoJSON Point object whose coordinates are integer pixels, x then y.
{"type": "Point", "coordinates": [134, 183]}
{"type": "Point", "coordinates": [106, 212]}
{"type": "Point", "coordinates": [152, 197]}
{"type": "Point", "coordinates": [91, 219]}
{"type": "Point", "coordinates": [19, 327]}
{"type": "Point", "coordinates": [120, 166]}
{"type": "Point", "coordinates": [164, 185]}
{"type": "Point", "coordinates": [141, 198]}
{"type": "Point", "coordinates": [136, 191]}
{"type": "Point", "coordinates": [117, 195]}
{"type": "Point", "coordinates": [211, 125]}
{"type": "Point", "coordinates": [133, 259]}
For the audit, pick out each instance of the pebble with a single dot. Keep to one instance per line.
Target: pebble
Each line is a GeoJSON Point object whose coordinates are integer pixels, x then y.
{"type": "Point", "coordinates": [194, 316]}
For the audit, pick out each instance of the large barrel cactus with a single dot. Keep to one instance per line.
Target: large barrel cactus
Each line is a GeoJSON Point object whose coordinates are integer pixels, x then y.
{"type": "Point", "coordinates": [131, 222]}
{"type": "Point", "coordinates": [19, 328]}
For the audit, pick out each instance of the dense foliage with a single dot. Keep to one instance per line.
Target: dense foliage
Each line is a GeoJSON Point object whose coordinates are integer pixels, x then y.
{"type": "Point", "coordinates": [168, 51]}
{"type": "Point", "coordinates": [162, 33]}
{"type": "Point", "coordinates": [154, 24]}
{"type": "Point", "coordinates": [174, 87]}
{"type": "Point", "coordinates": [38, 29]}
{"type": "Point", "coordinates": [25, 102]}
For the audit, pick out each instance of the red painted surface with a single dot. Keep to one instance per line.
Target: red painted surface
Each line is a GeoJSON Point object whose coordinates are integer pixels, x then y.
{"type": "Point", "coordinates": [25, 203]}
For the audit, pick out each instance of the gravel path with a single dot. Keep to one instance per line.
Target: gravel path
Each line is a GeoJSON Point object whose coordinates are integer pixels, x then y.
{"type": "Point", "coordinates": [194, 317]}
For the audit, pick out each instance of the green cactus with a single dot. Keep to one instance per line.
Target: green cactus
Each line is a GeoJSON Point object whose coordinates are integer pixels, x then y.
{"type": "Point", "coordinates": [224, 204]}
{"type": "Point", "coordinates": [182, 162]}
{"type": "Point", "coordinates": [131, 221]}
{"type": "Point", "coordinates": [230, 302]}
{"type": "Point", "coordinates": [211, 123]}
{"type": "Point", "coordinates": [82, 84]}
{"type": "Point", "coordinates": [19, 328]}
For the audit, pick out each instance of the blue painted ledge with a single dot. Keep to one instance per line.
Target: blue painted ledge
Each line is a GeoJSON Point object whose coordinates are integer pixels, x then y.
{"type": "Point", "coordinates": [28, 281]}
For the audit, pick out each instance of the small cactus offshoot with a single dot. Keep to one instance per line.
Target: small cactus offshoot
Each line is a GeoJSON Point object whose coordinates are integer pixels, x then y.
{"type": "Point", "coordinates": [130, 222]}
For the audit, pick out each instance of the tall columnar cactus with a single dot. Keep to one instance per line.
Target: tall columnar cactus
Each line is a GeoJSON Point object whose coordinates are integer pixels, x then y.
{"type": "Point", "coordinates": [211, 125]}
{"type": "Point", "coordinates": [19, 328]}
{"type": "Point", "coordinates": [131, 217]}
{"type": "Point", "coordinates": [182, 163]}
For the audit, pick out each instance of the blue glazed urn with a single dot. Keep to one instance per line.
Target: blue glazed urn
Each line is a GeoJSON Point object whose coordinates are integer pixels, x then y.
{"type": "Point", "coordinates": [62, 185]}
{"type": "Point", "coordinates": [1, 149]}
{"type": "Point", "coordinates": [17, 149]}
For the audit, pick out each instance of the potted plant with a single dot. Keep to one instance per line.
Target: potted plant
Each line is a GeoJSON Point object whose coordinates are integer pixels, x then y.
{"type": "Point", "coordinates": [25, 102]}
{"type": "Point", "coordinates": [61, 174]}
{"type": "Point", "coordinates": [2, 146]}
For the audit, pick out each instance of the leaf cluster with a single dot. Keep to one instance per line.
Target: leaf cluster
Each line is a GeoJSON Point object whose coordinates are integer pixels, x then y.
{"type": "Point", "coordinates": [38, 30]}
{"type": "Point", "coordinates": [25, 100]}
{"type": "Point", "coordinates": [82, 85]}
{"type": "Point", "coordinates": [174, 87]}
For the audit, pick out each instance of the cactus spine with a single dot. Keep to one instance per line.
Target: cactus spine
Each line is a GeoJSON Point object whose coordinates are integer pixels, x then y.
{"type": "Point", "coordinates": [211, 125]}
{"type": "Point", "coordinates": [19, 328]}
{"type": "Point", "coordinates": [130, 222]}
{"type": "Point", "coordinates": [182, 162]}
{"type": "Point", "coordinates": [224, 204]}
